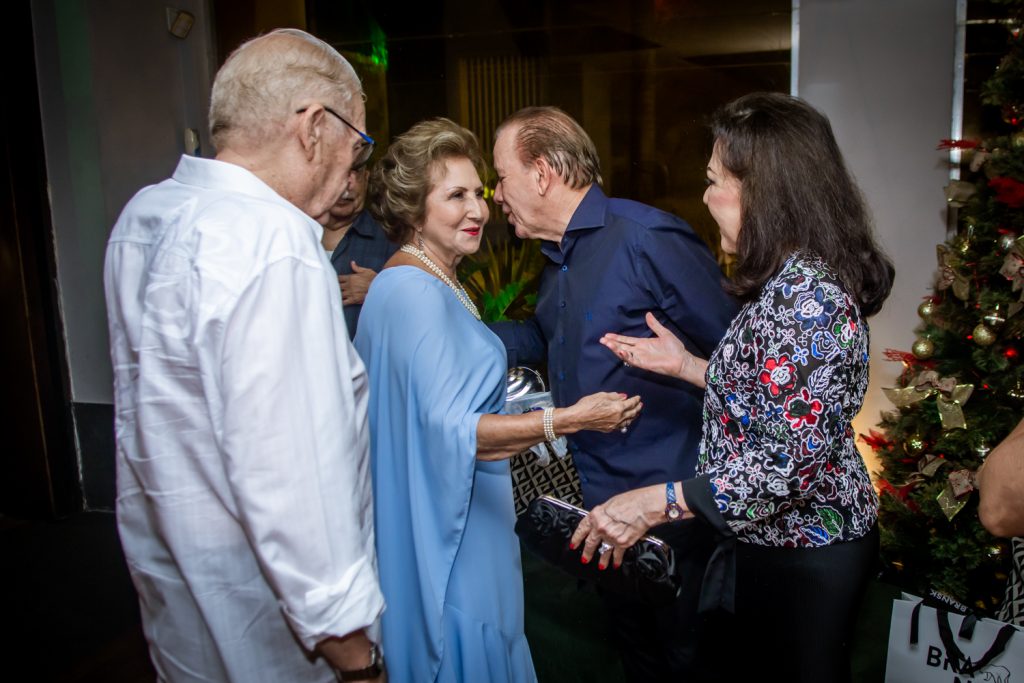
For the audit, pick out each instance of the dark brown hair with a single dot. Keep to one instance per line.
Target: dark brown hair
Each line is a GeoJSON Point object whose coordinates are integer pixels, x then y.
{"type": "Point", "coordinates": [797, 194]}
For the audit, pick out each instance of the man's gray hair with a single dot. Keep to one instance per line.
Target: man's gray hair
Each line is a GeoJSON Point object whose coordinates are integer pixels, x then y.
{"type": "Point", "coordinates": [549, 133]}
{"type": "Point", "coordinates": [260, 84]}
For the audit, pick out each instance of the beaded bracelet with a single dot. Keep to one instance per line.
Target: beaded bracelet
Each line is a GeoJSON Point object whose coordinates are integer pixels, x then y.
{"type": "Point", "coordinates": [549, 424]}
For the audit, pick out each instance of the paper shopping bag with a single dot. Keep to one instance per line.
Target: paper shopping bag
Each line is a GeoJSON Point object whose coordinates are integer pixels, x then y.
{"type": "Point", "coordinates": [929, 645]}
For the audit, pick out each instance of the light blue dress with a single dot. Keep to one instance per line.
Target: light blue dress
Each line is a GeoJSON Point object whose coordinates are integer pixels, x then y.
{"type": "Point", "coordinates": [448, 557]}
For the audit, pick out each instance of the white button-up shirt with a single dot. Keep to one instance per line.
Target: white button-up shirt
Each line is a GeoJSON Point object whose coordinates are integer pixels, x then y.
{"type": "Point", "coordinates": [244, 500]}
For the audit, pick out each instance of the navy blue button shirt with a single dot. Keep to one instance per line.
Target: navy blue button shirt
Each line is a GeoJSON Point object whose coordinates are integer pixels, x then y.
{"type": "Point", "coordinates": [365, 243]}
{"type": "Point", "coordinates": [618, 260]}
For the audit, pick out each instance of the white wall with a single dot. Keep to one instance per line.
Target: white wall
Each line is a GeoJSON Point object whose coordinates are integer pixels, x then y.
{"type": "Point", "coordinates": [882, 71]}
{"type": "Point", "coordinates": [116, 92]}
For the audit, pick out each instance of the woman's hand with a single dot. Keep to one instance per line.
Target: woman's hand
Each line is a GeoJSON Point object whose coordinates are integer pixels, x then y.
{"type": "Point", "coordinates": [620, 522]}
{"type": "Point", "coordinates": [663, 353]}
{"type": "Point", "coordinates": [501, 436]}
{"type": "Point", "coordinates": [601, 412]}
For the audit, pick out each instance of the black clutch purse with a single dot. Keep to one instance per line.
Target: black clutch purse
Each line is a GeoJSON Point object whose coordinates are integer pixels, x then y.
{"type": "Point", "coordinates": [648, 570]}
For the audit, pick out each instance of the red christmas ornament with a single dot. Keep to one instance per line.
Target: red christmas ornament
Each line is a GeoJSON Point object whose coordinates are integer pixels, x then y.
{"type": "Point", "coordinates": [899, 356]}
{"type": "Point", "coordinates": [876, 440]}
{"type": "Point", "coordinates": [1008, 191]}
{"type": "Point", "coordinates": [1011, 353]}
{"type": "Point", "coordinates": [947, 143]}
{"type": "Point", "coordinates": [905, 490]}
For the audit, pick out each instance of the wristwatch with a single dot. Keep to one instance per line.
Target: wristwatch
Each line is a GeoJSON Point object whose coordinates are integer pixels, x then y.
{"type": "Point", "coordinates": [672, 509]}
{"type": "Point", "coordinates": [368, 673]}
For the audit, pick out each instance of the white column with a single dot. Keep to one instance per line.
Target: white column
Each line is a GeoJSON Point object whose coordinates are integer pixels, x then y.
{"type": "Point", "coordinates": [882, 71]}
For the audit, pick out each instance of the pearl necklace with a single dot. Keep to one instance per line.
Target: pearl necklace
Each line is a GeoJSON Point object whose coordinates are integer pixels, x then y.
{"type": "Point", "coordinates": [460, 291]}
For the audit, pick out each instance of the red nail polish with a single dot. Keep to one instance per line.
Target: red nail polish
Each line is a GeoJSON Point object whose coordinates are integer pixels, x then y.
{"type": "Point", "coordinates": [602, 567]}
{"type": "Point", "coordinates": [572, 546]}
{"type": "Point", "coordinates": [584, 559]}
{"type": "Point", "coordinates": [617, 565]}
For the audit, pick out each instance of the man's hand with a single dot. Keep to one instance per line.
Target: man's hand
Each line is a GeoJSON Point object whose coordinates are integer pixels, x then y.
{"type": "Point", "coordinates": [355, 286]}
{"type": "Point", "coordinates": [349, 653]}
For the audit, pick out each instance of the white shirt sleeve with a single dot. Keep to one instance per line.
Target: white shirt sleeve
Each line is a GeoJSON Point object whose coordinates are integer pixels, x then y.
{"type": "Point", "coordinates": [295, 446]}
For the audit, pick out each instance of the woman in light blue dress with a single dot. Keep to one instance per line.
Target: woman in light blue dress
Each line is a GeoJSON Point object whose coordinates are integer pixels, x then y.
{"type": "Point", "coordinates": [448, 557]}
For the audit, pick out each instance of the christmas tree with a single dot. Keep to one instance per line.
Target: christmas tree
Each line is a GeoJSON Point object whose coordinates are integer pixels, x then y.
{"type": "Point", "coordinates": [962, 386]}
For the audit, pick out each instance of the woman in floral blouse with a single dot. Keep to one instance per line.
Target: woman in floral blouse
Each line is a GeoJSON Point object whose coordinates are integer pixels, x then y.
{"type": "Point", "coordinates": [779, 476]}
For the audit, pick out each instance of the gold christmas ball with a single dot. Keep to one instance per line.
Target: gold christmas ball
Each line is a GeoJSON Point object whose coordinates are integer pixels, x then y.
{"type": "Point", "coordinates": [923, 348]}
{"type": "Point", "coordinates": [914, 445]}
{"type": "Point", "coordinates": [1005, 242]}
{"type": "Point", "coordinates": [963, 245]}
{"type": "Point", "coordinates": [1018, 138]}
{"type": "Point", "coordinates": [983, 336]}
{"type": "Point", "coordinates": [926, 310]}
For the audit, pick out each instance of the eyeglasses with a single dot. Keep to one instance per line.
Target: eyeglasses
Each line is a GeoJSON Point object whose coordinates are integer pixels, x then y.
{"type": "Point", "coordinates": [365, 152]}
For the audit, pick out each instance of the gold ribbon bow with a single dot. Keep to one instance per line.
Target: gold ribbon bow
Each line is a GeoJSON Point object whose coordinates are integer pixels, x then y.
{"type": "Point", "coordinates": [950, 397]}
{"type": "Point", "coordinates": [950, 275]}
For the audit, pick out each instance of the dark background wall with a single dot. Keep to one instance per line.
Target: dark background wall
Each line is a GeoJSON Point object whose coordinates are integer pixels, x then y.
{"type": "Point", "coordinates": [116, 92]}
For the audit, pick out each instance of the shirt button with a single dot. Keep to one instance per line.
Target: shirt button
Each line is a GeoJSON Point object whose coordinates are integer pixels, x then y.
{"type": "Point", "coordinates": [565, 268]}
{"type": "Point", "coordinates": [561, 376]}
{"type": "Point", "coordinates": [562, 304]}
{"type": "Point", "coordinates": [584, 479]}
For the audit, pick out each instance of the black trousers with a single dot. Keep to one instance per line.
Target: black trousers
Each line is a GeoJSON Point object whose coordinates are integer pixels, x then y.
{"type": "Point", "coordinates": [661, 643]}
{"type": "Point", "coordinates": [795, 611]}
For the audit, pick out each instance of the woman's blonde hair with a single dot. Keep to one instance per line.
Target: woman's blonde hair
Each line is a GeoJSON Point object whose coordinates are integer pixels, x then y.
{"type": "Point", "coordinates": [401, 181]}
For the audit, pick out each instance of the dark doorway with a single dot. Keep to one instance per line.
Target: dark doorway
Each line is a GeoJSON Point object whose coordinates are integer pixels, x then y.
{"type": "Point", "coordinates": [39, 475]}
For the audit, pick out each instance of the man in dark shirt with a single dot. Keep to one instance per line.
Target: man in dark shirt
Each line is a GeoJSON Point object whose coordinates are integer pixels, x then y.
{"type": "Point", "coordinates": [610, 262]}
{"type": "Point", "coordinates": [357, 245]}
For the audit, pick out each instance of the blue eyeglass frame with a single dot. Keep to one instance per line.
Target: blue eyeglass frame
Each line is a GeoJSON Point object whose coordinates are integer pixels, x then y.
{"type": "Point", "coordinates": [367, 140]}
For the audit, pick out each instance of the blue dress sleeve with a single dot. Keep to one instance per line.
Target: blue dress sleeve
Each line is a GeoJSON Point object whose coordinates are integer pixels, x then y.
{"type": "Point", "coordinates": [433, 370]}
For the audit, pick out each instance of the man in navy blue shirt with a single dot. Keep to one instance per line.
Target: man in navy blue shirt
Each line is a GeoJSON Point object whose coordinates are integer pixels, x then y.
{"type": "Point", "coordinates": [610, 262]}
{"type": "Point", "coordinates": [356, 244]}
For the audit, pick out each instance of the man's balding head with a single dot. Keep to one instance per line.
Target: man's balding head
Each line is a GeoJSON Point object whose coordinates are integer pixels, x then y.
{"type": "Point", "coordinates": [267, 78]}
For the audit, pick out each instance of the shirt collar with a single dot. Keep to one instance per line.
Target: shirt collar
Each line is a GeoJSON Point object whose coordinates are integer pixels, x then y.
{"type": "Point", "coordinates": [589, 215]}
{"type": "Point", "coordinates": [590, 212]}
{"type": "Point", "coordinates": [213, 174]}
{"type": "Point", "coordinates": [363, 225]}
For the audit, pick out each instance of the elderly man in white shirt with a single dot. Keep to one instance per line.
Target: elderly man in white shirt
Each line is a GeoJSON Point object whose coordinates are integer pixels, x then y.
{"type": "Point", "coordinates": [244, 502]}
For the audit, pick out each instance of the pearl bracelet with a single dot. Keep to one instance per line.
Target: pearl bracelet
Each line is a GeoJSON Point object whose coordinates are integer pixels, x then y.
{"type": "Point", "coordinates": [549, 424]}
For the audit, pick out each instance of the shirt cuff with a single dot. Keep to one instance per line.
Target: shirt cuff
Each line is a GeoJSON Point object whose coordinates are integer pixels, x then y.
{"type": "Point", "coordinates": [718, 590]}
{"type": "Point", "coordinates": [353, 603]}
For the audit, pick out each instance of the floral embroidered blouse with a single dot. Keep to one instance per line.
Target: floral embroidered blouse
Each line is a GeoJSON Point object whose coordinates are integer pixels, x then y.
{"type": "Point", "coordinates": [782, 388]}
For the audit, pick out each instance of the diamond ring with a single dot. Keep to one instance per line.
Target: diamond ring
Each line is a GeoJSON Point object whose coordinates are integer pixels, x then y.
{"type": "Point", "coordinates": [603, 548]}
{"type": "Point", "coordinates": [624, 430]}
